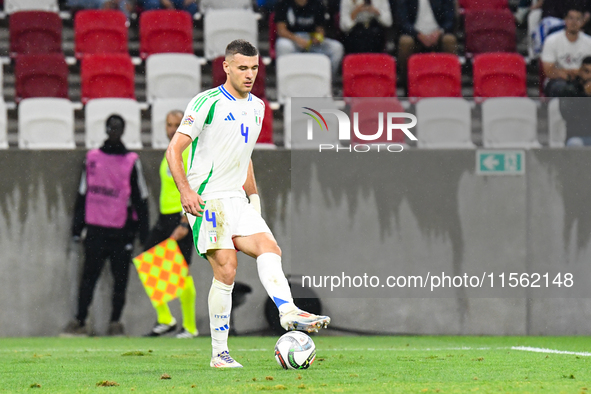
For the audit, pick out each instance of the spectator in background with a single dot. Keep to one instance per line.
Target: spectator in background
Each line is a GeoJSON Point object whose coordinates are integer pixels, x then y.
{"type": "Point", "coordinates": [111, 195]}
{"type": "Point", "coordinates": [174, 224]}
{"type": "Point", "coordinates": [184, 5]}
{"type": "Point", "coordinates": [564, 52]}
{"type": "Point", "coordinates": [581, 85]}
{"type": "Point", "coordinates": [300, 28]}
{"type": "Point", "coordinates": [364, 23]}
{"type": "Point", "coordinates": [427, 26]}
{"type": "Point", "coordinates": [547, 17]}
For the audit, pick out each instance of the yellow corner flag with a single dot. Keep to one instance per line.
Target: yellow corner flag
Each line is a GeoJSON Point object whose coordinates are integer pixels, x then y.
{"type": "Point", "coordinates": [162, 270]}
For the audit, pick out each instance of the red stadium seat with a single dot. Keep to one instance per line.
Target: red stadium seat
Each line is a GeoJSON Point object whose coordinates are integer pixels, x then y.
{"type": "Point", "coordinates": [369, 75]}
{"type": "Point", "coordinates": [272, 35]}
{"type": "Point", "coordinates": [266, 136]}
{"type": "Point", "coordinates": [107, 75]}
{"type": "Point", "coordinates": [368, 111]}
{"type": "Point", "coordinates": [490, 31]}
{"type": "Point", "coordinates": [500, 75]}
{"type": "Point", "coordinates": [219, 76]}
{"type": "Point", "coordinates": [434, 75]}
{"type": "Point", "coordinates": [100, 31]}
{"type": "Point", "coordinates": [474, 5]}
{"type": "Point", "coordinates": [164, 31]}
{"type": "Point", "coordinates": [35, 32]}
{"type": "Point", "coordinates": [41, 75]}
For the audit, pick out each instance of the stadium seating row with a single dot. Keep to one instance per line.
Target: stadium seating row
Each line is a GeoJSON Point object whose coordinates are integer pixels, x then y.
{"type": "Point", "coordinates": [298, 75]}
{"type": "Point", "coordinates": [48, 123]}
{"type": "Point", "coordinates": [106, 31]}
{"type": "Point", "coordinates": [168, 75]}
{"type": "Point", "coordinates": [374, 75]}
{"type": "Point", "coordinates": [165, 31]}
{"type": "Point", "coordinates": [444, 123]}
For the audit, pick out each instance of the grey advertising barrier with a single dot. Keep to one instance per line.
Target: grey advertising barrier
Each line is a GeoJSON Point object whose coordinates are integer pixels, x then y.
{"type": "Point", "coordinates": [415, 212]}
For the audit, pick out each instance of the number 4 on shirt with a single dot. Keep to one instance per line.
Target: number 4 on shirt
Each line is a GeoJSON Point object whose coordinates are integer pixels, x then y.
{"type": "Point", "coordinates": [244, 132]}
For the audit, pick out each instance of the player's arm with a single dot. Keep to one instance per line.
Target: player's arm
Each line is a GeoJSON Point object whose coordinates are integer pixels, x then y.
{"type": "Point", "coordinates": [250, 187]}
{"type": "Point", "coordinates": [191, 201]}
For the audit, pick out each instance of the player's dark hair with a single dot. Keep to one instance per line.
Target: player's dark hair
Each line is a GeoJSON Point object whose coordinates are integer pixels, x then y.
{"type": "Point", "coordinates": [115, 122]}
{"type": "Point", "coordinates": [242, 47]}
{"type": "Point", "coordinates": [586, 60]}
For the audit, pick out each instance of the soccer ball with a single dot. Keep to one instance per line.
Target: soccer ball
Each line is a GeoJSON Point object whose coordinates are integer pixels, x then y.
{"type": "Point", "coordinates": [295, 350]}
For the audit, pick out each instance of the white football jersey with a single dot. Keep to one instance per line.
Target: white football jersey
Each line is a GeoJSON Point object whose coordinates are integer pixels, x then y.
{"type": "Point", "coordinates": [224, 131]}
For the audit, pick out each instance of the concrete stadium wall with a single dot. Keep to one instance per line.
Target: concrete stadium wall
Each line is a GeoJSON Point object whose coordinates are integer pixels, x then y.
{"type": "Point", "coordinates": [425, 210]}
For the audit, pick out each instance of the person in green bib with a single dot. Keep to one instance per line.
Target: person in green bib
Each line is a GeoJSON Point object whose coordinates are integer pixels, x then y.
{"type": "Point", "coordinates": [173, 223]}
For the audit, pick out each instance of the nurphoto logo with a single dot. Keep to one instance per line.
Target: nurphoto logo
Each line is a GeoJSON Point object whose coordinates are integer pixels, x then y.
{"type": "Point", "coordinates": [344, 130]}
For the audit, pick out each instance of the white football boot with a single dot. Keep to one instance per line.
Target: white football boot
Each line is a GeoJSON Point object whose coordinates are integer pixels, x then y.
{"type": "Point", "coordinates": [303, 321]}
{"type": "Point", "coordinates": [224, 360]}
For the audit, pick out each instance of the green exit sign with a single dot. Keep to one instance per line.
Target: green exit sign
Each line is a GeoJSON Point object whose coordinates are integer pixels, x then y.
{"type": "Point", "coordinates": [500, 162]}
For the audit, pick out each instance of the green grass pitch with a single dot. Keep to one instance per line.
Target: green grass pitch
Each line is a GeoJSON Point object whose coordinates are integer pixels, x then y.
{"type": "Point", "coordinates": [397, 364]}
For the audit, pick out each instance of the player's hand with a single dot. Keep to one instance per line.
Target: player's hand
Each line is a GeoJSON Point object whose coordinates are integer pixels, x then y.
{"type": "Point", "coordinates": [255, 201]}
{"type": "Point", "coordinates": [192, 203]}
{"type": "Point", "coordinates": [179, 233]}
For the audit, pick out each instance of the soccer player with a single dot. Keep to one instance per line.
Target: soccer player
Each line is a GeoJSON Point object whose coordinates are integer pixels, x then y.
{"type": "Point", "coordinates": [172, 223]}
{"type": "Point", "coordinates": [222, 126]}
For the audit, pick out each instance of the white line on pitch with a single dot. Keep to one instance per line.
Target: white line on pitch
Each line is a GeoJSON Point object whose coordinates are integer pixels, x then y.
{"type": "Point", "coordinates": [84, 350]}
{"type": "Point", "coordinates": [544, 350]}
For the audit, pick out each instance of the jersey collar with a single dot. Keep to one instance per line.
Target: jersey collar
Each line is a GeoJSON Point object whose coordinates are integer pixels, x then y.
{"type": "Point", "coordinates": [223, 90]}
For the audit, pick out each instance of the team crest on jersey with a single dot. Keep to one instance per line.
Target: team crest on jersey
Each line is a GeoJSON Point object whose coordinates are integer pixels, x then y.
{"type": "Point", "coordinates": [213, 236]}
{"type": "Point", "coordinates": [258, 118]}
{"type": "Point", "coordinates": [188, 121]}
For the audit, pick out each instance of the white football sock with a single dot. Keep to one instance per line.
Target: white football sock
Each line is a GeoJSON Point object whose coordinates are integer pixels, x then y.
{"type": "Point", "coordinates": [274, 281]}
{"type": "Point", "coordinates": [220, 306]}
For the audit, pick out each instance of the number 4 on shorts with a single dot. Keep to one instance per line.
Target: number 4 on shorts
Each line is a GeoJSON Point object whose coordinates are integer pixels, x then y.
{"type": "Point", "coordinates": [210, 217]}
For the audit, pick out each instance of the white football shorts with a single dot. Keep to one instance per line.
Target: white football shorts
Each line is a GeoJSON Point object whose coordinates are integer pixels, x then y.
{"type": "Point", "coordinates": [222, 220]}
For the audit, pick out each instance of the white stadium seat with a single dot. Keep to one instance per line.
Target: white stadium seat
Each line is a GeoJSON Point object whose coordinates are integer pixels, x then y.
{"type": "Point", "coordinates": [444, 123]}
{"type": "Point", "coordinates": [172, 75]}
{"type": "Point", "coordinates": [556, 125]}
{"type": "Point", "coordinates": [509, 122]}
{"type": "Point", "coordinates": [11, 6]}
{"type": "Point", "coordinates": [222, 26]}
{"type": "Point", "coordinates": [46, 123]}
{"type": "Point", "coordinates": [160, 108]}
{"type": "Point", "coordinates": [303, 75]}
{"type": "Point", "coordinates": [97, 112]}
{"type": "Point", "coordinates": [208, 5]}
{"type": "Point", "coordinates": [3, 125]}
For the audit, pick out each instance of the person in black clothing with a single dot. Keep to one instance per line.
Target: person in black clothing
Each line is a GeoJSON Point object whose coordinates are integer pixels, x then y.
{"type": "Point", "coordinates": [300, 28]}
{"type": "Point", "coordinates": [574, 104]}
{"type": "Point", "coordinates": [426, 26]}
{"type": "Point", "coordinates": [364, 23]}
{"type": "Point", "coordinates": [112, 205]}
